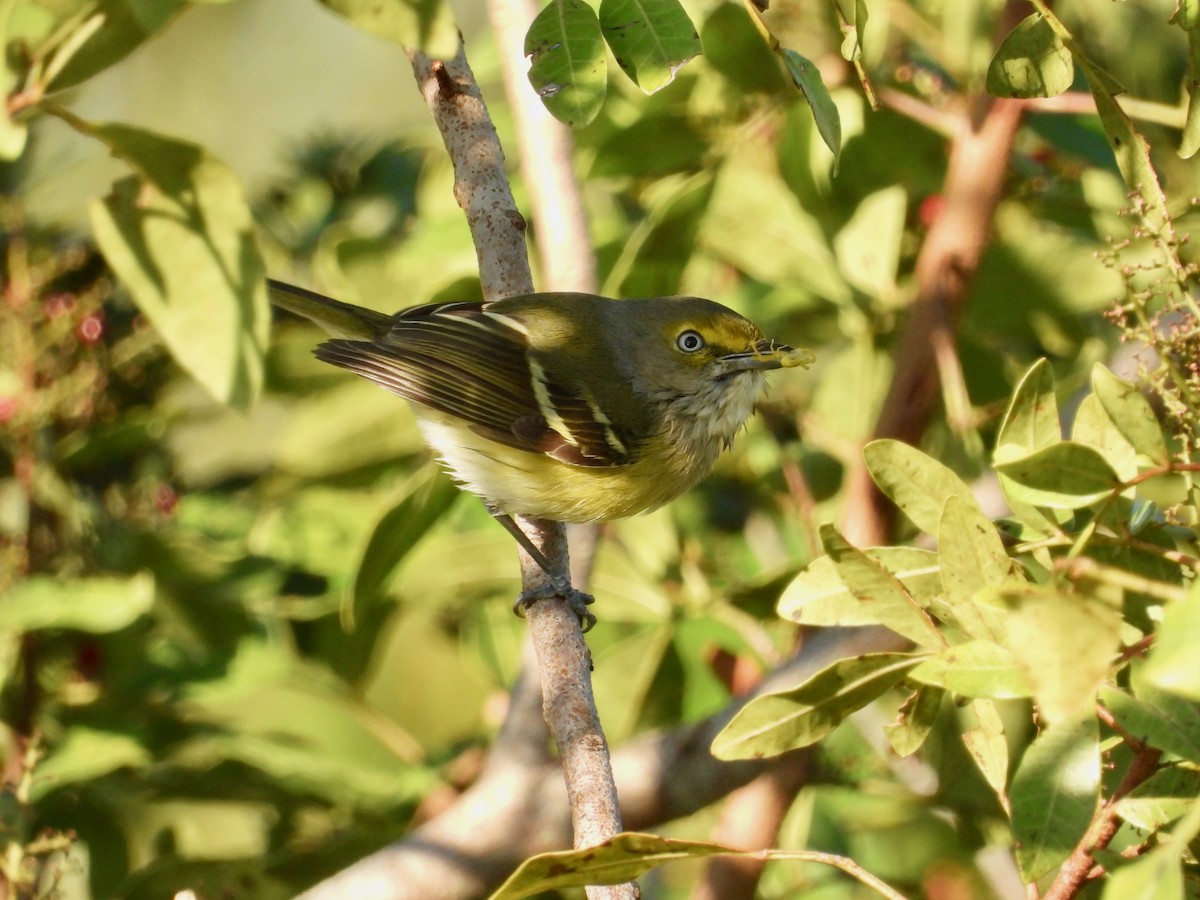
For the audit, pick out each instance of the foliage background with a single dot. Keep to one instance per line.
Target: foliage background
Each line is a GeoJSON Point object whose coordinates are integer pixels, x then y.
{"type": "Point", "coordinates": [253, 644]}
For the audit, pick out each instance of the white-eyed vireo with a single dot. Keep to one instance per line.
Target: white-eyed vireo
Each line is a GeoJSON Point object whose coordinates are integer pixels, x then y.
{"type": "Point", "coordinates": [569, 407]}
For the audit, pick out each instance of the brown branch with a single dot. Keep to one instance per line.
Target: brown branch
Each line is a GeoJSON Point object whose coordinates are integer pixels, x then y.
{"type": "Point", "coordinates": [946, 267]}
{"type": "Point", "coordinates": [518, 808]}
{"type": "Point", "coordinates": [461, 862]}
{"type": "Point", "coordinates": [750, 820]}
{"type": "Point", "coordinates": [1077, 870]}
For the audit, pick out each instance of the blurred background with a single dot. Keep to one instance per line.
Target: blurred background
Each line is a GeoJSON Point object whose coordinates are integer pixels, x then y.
{"type": "Point", "coordinates": [249, 646]}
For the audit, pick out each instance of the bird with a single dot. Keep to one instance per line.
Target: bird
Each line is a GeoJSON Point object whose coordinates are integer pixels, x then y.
{"type": "Point", "coordinates": [570, 407]}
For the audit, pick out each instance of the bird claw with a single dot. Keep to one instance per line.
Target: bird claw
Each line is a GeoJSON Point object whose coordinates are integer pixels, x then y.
{"type": "Point", "coordinates": [577, 601]}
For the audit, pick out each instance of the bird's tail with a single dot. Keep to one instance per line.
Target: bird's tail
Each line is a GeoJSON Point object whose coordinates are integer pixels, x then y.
{"type": "Point", "coordinates": [341, 320]}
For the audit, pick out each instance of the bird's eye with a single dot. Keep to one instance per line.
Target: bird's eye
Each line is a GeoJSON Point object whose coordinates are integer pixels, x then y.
{"type": "Point", "coordinates": [689, 341]}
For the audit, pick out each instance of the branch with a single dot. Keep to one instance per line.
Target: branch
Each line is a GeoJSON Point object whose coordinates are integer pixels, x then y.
{"type": "Point", "coordinates": [517, 809]}
{"type": "Point", "coordinates": [498, 231]}
{"type": "Point", "coordinates": [946, 267]}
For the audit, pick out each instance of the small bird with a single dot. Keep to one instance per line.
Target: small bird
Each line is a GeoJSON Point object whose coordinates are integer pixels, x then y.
{"type": "Point", "coordinates": [569, 407]}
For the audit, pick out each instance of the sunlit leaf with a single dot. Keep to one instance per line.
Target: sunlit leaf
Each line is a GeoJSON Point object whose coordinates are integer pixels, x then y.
{"type": "Point", "coordinates": [775, 723]}
{"type": "Point", "coordinates": [1031, 421]}
{"type": "Point", "coordinates": [1065, 475]}
{"type": "Point", "coordinates": [567, 62]}
{"type": "Point", "coordinates": [1159, 874]}
{"type": "Point", "coordinates": [1094, 427]}
{"type": "Point", "coordinates": [414, 24]}
{"type": "Point", "coordinates": [98, 605]}
{"type": "Point", "coordinates": [1130, 148]}
{"type": "Point", "coordinates": [971, 557]}
{"type": "Point", "coordinates": [818, 596]}
{"type": "Point", "coordinates": [1174, 663]}
{"type": "Point", "coordinates": [915, 482]}
{"type": "Point", "coordinates": [87, 753]}
{"type": "Point", "coordinates": [1031, 61]}
{"type": "Point", "coordinates": [807, 77]}
{"type": "Point", "coordinates": [1187, 17]}
{"type": "Point", "coordinates": [868, 246]}
{"type": "Point", "coordinates": [988, 746]}
{"type": "Point", "coordinates": [1131, 413]}
{"type": "Point", "coordinates": [179, 235]}
{"type": "Point", "coordinates": [974, 669]}
{"type": "Point", "coordinates": [651, 40]}
{"type": "Point", "coordinates": [1063, 642]}
{"type": "Point", "coordinates": [881, 593]}
{"type": "Point", "coordinates": [112, 30]}
{"type": "Point", "coordinates": [625, 857]}
{"type": "Point", "coordinates": [914, 720]}
{"type": "Point", "coordinates": [1160, 719]}
{"type": "Point", "coordinates": [1161, 799]}
{"type": "Point", "coordinates": [1055, 792]}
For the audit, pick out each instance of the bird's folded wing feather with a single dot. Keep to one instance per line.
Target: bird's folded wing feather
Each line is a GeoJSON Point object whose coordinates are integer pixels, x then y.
{"type": "Point", "coordinates": [459, 359]}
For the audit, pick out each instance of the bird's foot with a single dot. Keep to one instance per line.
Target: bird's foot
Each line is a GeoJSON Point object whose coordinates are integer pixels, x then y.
{"type": "Point", "coordinates": [576, 600]}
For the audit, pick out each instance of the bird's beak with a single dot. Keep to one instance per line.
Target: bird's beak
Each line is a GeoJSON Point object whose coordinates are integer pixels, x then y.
{"type": "Point", "coordinates": [767, 355]}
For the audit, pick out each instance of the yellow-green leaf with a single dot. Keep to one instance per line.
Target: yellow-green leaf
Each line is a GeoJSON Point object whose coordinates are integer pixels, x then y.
{"type": "Point", "coordinates": [1055, 792]}
{"type": "Point", "coordinates": [651, 40]}
{"type": "Point", "coordinates": [567, 63]}
{"type": "Point", "coordinates": [775, 723]}
{"type": "Point", "coordinates": [1031, 61]}
{"type": "Point", "coordinates": [179, 234]}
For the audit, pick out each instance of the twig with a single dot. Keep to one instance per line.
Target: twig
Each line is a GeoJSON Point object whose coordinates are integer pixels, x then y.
{"type": "Point", "coordinates": [1078, 867]}
{"type": "Point", "coordinates": [945, 270]}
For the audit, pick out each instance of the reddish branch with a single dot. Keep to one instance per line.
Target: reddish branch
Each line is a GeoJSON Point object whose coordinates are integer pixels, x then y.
{"type": "Point", "coordinates": [946, 268]}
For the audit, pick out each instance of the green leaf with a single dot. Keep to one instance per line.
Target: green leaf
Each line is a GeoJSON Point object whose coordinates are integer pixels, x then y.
{"type": "Point", "coordinates": [914, 720]}
{"type": "Point", "coordinates": [12, 134]}
{"type": "Point", "coordinates": [1094, 427]}
{"type": "Point", "coordinates": [1131, 414]}
{"type": "Point", "coordinates": [1063, 642]}
{"type": "Point", "coordinates": [868, 247]}
{"type": "Point", "coordinates": [1055, 792]}
{"type": "Point", "coordinates": [915, 482]}
{"type": "Point", "coordinates": [971, 557]}
{"type": "Point", "coordinates": [1160, 719]}
{"type": "Point", "coordinates": [1031, 421]}
{"type": "Point", "coordinates": [1161, 799]}
{"type": "Point", "coordinates": [807, 77]}
{"type": "Point", "coordinates": [180, 236]}
{"type": "Point", "coordinates": [85, 754]}
{"type": "Point", "coordinates": [97, 605]}
{"type": "Point", "coordinates": [1030, 62]}
{"type": "Point", "coordinates": [988, 746]}
{"type": "Point", "coordinates": [106, 36]}
{"type": "Point", "coordinates": [977, 669]}
{"type": "Point", "coordinates": [1158, 875]}
{"type": "Point", "coordinates": [883, 595]}
{"type": "Point", "coordinates": [1065, 475]}
{"type": "Point", "coordinates": [1131, 150]}
{"type": "Point", "coordinates": [775, 723]}
{"type": "Point", "coordinates": [818, 596]}
{"type": "Point", "coordinates": [396, 533]}
{"type": "Point", "coordinates": [425, 25]}
{"type": "Point", "coordinates": [651, 40]}
{"type": "Point", "coordinates": [1174, 664]}
{"type": "Point", "coordinates": [627, 856]}
{"type": "Point", "coordinates": [1187, 17]}
{"type": "Point", "coordinates": [567, 64]}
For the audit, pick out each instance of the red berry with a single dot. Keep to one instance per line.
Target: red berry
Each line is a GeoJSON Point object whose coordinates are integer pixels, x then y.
{"type": "Point", "coordinates": [91, 328]}
{"type": "Point", "coordinates": [931, 210]}
{"type": "Point", "coordinates": [8, 407]}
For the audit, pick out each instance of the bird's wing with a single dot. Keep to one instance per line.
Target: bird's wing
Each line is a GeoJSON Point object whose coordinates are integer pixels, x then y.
{"type": "Point", "coordinates": [473, 364]}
